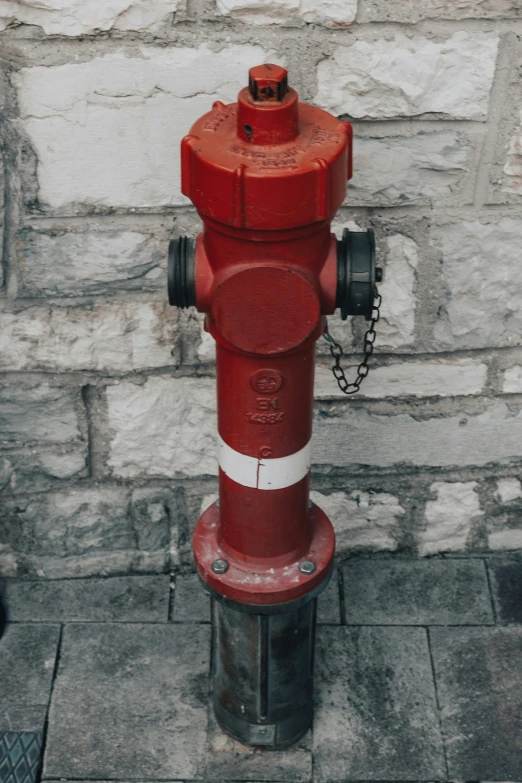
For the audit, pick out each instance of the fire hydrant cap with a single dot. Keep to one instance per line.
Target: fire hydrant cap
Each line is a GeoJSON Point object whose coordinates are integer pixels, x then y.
{"type": "Point", "coordinates": [268, 161]}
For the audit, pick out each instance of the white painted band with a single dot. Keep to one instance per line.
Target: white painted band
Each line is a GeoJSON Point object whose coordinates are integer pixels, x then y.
{"type": "Point", "coordinates": [264, 473]}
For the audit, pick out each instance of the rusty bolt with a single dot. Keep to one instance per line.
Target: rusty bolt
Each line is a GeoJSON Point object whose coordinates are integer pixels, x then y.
{"type": "Point", "coordinates": [268, 82]}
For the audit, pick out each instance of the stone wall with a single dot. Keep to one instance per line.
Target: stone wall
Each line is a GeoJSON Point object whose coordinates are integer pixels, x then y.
{"type": "Point", "coordinates": [107, 412]}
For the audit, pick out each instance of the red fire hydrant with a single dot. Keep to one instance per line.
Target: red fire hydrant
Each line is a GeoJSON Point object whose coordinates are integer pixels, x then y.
{"type": "Point", "coordinates": [267, 175]}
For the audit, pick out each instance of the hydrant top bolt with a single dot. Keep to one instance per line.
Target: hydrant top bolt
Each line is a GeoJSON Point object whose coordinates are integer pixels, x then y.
{"type": "Point", "coordinates": [220, 566]}
{"type": "Point", "coordinates": [307, 567]}
{"type": "Point", "coordinates": [268, 82]}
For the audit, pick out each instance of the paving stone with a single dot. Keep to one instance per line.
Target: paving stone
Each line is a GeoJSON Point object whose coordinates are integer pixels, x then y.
{"type": "Point", "coordinates": [118, 599]}
{"type": "Point", "coordinates": [479, 685]}
{"type": "Point", "coordinates": [376, 715]}
{"type": "Point", "coordinates": [27, 658]}
{"type": "Point", "coordinates": [433, 592]}
{"type": "Point", "coordinates": [329, 603]}
{"type": "Point", "coordinates": [129, 701]}
{"type": "Point", "coordinates": [506, 585]}
{"type": "Point", "coordinates": [227, 759]}
{"type": "Point", "coordinates": [191, 602]}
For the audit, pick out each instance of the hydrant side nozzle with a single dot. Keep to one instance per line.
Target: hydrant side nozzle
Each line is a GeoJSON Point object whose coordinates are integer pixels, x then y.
{"type": "Point", "coordinates": [357, 273]}
{"type": "Point", "coordinates": [182, 272]}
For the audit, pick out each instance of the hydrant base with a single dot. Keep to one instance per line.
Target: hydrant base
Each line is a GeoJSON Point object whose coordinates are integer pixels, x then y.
{"type": "Point", "coordinates": [276, 736]}
{"type": "Point", "coordinates": [262, 669]}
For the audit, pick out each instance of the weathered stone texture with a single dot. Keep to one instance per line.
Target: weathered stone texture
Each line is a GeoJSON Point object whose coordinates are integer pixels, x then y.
{"type": "Point", "coordinates": [120, 599]}
{"type": "Point", "coordinates": [78, 17]}
{"type": "Point", "coordinates": [410, 76]}
{"type": "Point", "coordinates": [410, 11]}
{"type": "Point", "coordinates": [506, 588]}
{"type": "Point", "coordinates": [375, 696]}
{"type": "Point", "coordinates": [415, 592]}
{"type": "Point", "coordinates": [362, 520]}
{"type": "Point", "coordinates": [89, 530]}
{"type": "Point", "coordinates": [513, 165]}
{"type": "Point", "coordinates": [482, 276]}
{"type": "Point", "coordinates": [504, 527]}
{"type": "Point", "coordinates": [512, 380]}
{"type": "Point", "coordinates": [355, 436]}
{"type": "Point", "coordinates": [39, 469]}
{"type": "Point", "coordinates": [438, 378]}
{"type": "Point", "coordinates": [76, 264]}
{"type": "Point", "coordinates": [509, 489]}
{"type": "Point", "coordinates": [88, 121]}
{"type": "Point", "coordinates": [479, 686]}
{"type": "Point", "coordinates": [333, 13]}
{"type": "Point", "coordinates": [2, 191]}
{"type": "Point", "coordinates": [37, 415]}
{"type": "Point", "coordinates": [163, 427]}
{"type": "Point", "coordinates": [116, 337]}
{"type": "Point", "coordinates": [26, 673]}
{"type": "Point", "coordinates": [397, 289]}
{"type": "Point", "coordinates": [398, 170]}
{"type": "Point", "coordinates": [130, 701]}
{"type": "Point", "coordinates": [450, 517]}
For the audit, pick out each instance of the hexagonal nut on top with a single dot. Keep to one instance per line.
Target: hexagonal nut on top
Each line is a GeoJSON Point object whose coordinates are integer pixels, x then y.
{"type": "Point", "coordinates": [268, 82]}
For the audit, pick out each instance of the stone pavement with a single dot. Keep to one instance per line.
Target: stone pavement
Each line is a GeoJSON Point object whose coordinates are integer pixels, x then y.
{"type": "Point", "coordinates": [418, 678]}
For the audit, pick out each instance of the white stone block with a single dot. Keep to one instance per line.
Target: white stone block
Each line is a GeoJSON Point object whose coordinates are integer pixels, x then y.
{"type": "Point", "coordinates": [438, 378]}
{"type": "Point", "coordinates": [76, 264]}
{"type": "Point", "coordinates": [115, 337]}
{"type": "Point", "coordinates": [333, 13]}
{"type": "Point", "coordinates": [512, 383]}
{"type": "Point", "coordinates": [513, 166]}
{"type": "Point", "coordinates": [410, 76]}
{"type": "Point", "coordinates": [411, 11]}
{"type": "Point", "coordinates": [507, 539]}
{"type": "Point", "coordinates": [362, 520]}
{"type": "Point", "coordinates": [259, 12]}
{"type": "Point", "coordinates": [351, 435]}
{"type": "Point", "coordinates": [81, 17]}
{"type": "Point", "coordinates": [509, 489]}
{"type": "Point", "coordinates": [449, 517]}
{"type": "Point", "coordinates": [483, 280]}
{"type": "Point", "coordinates": [397, 323]}
{"type": "Point", "coordinates": [166, 426]}
{"type": "Point", "coordinates": [107, 131]}
{"type": "Point", "coordinates": [399, 170]}
{"type": "Point", "coordinates": [37, 415]}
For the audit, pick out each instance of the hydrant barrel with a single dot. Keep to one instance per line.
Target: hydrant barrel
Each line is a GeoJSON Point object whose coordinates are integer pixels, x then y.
{"type": "Point", "coordinates": [267, 175]}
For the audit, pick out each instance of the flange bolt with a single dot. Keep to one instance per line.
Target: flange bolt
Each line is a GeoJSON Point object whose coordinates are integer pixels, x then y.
{"type": "Point", "coordinates": [307, 567]}
{"type": "Point", "coordinates": [220, 566]}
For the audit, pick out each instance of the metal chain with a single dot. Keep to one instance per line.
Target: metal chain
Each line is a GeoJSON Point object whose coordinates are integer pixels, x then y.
{"type": "Point", "coordinates": [369, 342]}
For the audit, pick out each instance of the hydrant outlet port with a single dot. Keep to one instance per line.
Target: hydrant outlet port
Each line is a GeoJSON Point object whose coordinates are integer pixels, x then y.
{"type": "Point", "coordinates": [356, 273]}
{"type": "Point", "coordinates": [181, 272]}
